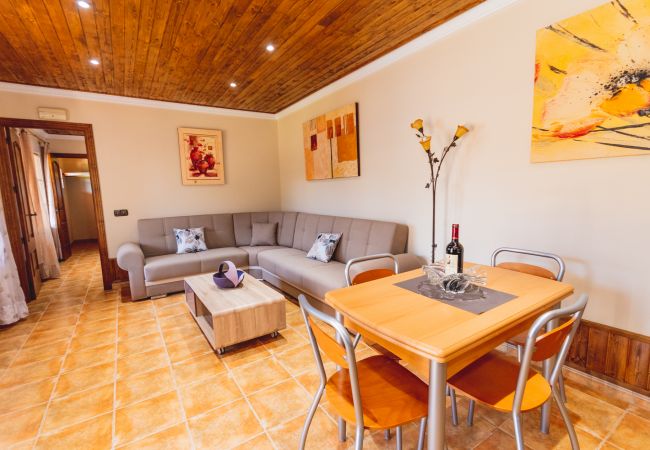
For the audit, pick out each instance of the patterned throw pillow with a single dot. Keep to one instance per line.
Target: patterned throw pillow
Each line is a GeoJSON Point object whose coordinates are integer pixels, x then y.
{"type": "Point", "coordinates": [324, 246]}
{"type": "Point", "coordinates": [189, 240]}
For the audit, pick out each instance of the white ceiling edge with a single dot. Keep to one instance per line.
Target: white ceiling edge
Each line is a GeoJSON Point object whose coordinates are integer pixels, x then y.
{"type": "Point", "coordinates": [78, 95]}
{"type": "Point", "coordinates": [459, 22]}
{"type": "Point", "coordinates": [40, 133]}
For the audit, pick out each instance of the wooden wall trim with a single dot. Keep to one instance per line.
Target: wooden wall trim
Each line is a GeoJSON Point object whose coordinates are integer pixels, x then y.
{"type": "Point", "coordinates": [69, 155]}
{"type": "Point", "coordinates": [118, 275]}
{"type": "Point", "coordinates": [612, 354]}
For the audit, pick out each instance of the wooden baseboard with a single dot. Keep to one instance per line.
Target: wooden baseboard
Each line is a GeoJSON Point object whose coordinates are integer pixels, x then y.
{"type": "Point", "coordinates": [117, 274]}
{"type": "Point", "coordinates": [612, 354]}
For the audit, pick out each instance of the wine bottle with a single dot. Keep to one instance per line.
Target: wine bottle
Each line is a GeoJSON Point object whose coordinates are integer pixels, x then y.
{"type": "Point", "coordinates": [454, 253]}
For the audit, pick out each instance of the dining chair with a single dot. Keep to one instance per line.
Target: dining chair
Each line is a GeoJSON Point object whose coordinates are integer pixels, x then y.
{"type": "Point", "coordinates": [538, 271]}
{"type": "Point", "coordinates": [374, 393]}
{"type": "Point", "coordinates": [505, 384]}
{"type": "Point", "coordinates": [370, 274]}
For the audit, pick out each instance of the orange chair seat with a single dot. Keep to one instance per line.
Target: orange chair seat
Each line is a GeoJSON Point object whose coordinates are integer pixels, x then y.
{"type": "Point", "coordinates": [530, 269]}
{"type": "Point", "coordinates": [492, 380]}
{"type": "Point", "coordinates": [390, 394]}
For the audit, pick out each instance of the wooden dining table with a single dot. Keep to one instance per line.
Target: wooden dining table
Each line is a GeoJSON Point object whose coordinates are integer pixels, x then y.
{"type": "Point", "coordinates": [436, 339]}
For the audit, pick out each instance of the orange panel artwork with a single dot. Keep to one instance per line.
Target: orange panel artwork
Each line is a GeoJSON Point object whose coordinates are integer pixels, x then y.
{"type": "Point", "coordinates": [201, 154]}
{"type": "Point", "coordinates": [331, 146]}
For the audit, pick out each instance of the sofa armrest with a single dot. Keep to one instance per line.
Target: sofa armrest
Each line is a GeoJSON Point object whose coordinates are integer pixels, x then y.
{"type": "Point", "coordinates": [409, 261]}
{"type": "Point", "coordinates": [131, 258]}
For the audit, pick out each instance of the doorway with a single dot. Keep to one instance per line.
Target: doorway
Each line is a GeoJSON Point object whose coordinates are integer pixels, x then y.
{"type": "Point", "coordinates": [18, 217]}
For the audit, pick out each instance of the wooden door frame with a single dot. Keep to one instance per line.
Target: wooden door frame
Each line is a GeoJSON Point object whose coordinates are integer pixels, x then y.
{"type": "Point", "coordinates": [87, 130]}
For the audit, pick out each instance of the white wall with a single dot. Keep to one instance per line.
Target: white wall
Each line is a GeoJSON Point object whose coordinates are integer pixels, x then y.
{"type": "Point", "coordinates": [594, 212]}
{"type": "Point", "coordinates": [78, 198]}
{"type": "Point", "coordinates": [138, 160]}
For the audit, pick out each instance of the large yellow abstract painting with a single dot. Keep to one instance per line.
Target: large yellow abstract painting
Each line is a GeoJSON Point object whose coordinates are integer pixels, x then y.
{"type": "Point", "coordinates": [592, 84]}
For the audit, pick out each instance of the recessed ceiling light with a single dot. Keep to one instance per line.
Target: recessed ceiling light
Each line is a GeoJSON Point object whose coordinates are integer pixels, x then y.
{"type": "Point", "coordinates": [233, 84]}
{"type": "Point", "coordinates": [82, 4]}
{"type": "Point", "coordinates": [94, 62]}
{"type": "Point", "coordinates": [270, 48]}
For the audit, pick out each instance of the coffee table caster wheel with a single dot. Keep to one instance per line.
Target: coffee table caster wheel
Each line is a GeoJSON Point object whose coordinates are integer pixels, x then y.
{"type": "Point", "coordinates": [275, 334]}
{"type": "Point", "coordinates": [221, 351]}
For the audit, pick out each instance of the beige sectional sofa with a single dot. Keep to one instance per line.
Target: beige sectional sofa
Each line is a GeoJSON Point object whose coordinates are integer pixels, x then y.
{"type": "Point", "coordinates": [155, 268]}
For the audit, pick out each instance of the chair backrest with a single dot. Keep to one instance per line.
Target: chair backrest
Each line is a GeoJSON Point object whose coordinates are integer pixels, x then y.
{"type": "Point", "coordinates": [529, 268]}
{"type": "Point", "coordinates": [372, 274]}
{"type": "Point", "coordinates": [339, 350]}
{"type": "Point", "coordinates": [542, 345]}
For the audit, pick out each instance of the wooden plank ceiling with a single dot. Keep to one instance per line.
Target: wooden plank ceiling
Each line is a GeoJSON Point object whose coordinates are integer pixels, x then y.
{"type": "Point", "coordinates": [189, 51]}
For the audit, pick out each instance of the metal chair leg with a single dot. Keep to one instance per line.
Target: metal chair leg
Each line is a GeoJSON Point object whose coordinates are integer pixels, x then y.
{"type": "Point", "coordinates": [358, 440]}
{"type": "Point", "coordinates": [423, 428]}
{"type": "Point", "coordinates": [398, 437]}
{"type": "Point", "coordinates": [567, 420]}
{"type": "Point", "coordinates": [310, 415]}
{"type": "Point", "coordinates": [342, 430]}
{"type": "Point", "coordinates": [387, 434]}
{"type": "Point", "coordinates": [519, 433]}
{"type": "Point", "coordinates": [470, 413]}
{"type": "Point", "coordinates": [454, 407]}
{"type": "Point", "coordinates": [520, 352]}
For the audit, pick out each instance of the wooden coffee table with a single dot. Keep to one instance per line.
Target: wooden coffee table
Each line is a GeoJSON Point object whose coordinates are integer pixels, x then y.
{"type": "Point", "coordinates": [231, 316]}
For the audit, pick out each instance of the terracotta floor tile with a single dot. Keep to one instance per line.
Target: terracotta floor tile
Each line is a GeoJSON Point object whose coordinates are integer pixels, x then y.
{"type": "Point", "coordinates": [89, 340]}
{"type": "Point", "coordinates": [632, 433]}
{"type": "Point", "coordinates": [198, 368]}
{"type": "Point", "coordinates": [108, 306]}
{"type": "Point", "coordinates": [17, 330]}
{"type": "Point", "coordinates": [45, 337]}
{"type": "Point", "coordinates": [95, 326]}
{"type": "Point", "coordinates": [6, 359]}
{"type": "Point", "coordinates": [144, 385]}
{"type": "Point", "coordinates": [25, 395]}
{"type": "Point", "coordinates": [28, 373]}
{"type": "Point", "coordinates": [94, 434]}
{"type": "Point", "coordinates": [640, 407]}
{"type": "Point", "coordinates": [143, 418]}
{"type": "Point", "coordinates": [245, 353]}
{"type": "Point", "coordinates": [80, 379]}
{"type": "Point", "coordinates": [173, 438]}
{"type": "Point", "coordinates": [99, 314]}
{"type": "Point", "coordinates": [58, 313]}
{"type": "Point", "coordinates": [189, 348]}
{"type": "Point", "coordinates": [128, 319]}
{"type": "Point", "coordinates": [181, 333]}
{"type": "Point", "coordinates": [237, 417]}
{"type": "Point", "coordinates": [53, 324]}
{"type": "Point", "coordinates": [24, 445]}
{"type": "Point", "coordinates": [298, 360]}
{"type": "Point", "coordinates": [180, 308]}
{"type": "Point", "coordinates": [20, 426]}
{"type": "Point", "coordinates": [260, 442]}
{"type": "Point", "coordinates": [171, 300]}
{"type": "Point", "coordinates": [259, 375]}
{"type": "Point", "coordinates": [41, 352]}
{"type": "Point", "coordinates": [322, 435]}
{"type": "Point", "coordinates": [590, 413]}
{"type": "Point", "coordinates": [498, 440]}
{"type": "Point", "coordinates": [286, 340]}
{"type": "Point", "coordinates": [280, 403]}
{"type": "Point", "coordinates": [208, 394]}
{"type": "Point", "coordinates": [310, 379]}
{"type": "Point", "coordinates": [139, 344]}
{"type": "Point", "coordinates": [141, 362]}
{"type": "Point", "coordinates": [137, 329]}
{"type": "Point", "coordinates": [89, 357]}
{"type": "Point", "coordinates": [556, 439]}
{"type": "Point", "coordinates": [78, 407]}
{"type": "Point", "coordinates": [176, 321]}
{"type": "Point", "coordinates": [14, 343]}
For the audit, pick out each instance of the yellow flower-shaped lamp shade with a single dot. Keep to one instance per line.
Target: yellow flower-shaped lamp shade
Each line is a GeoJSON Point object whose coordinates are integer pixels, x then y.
{"type": "Point", "coordinates": [461, 130]}
{"type": "Point", "coordinates": [417, 125]}
{"type": "Point", "coordinates": [426, 143]}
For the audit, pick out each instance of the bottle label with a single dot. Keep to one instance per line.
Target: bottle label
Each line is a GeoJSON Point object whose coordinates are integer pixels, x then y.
{"type": "Point", "coordinates": [451, 264]}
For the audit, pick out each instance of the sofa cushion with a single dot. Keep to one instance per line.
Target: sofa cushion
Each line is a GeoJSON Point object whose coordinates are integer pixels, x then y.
{"type": "Point", "coordinates": [163, 267]}
{"type": "Point", "coordinates": [243, 222]}
{"type": "Point", "coordinates": [190, 240]}
{"type": "Point", "coordinates": [264, 234]}
{"type": "Point", "coordinates": [324, 246]}
{"type": "Point", "coordinates": [156, 236]}
{"type": "Point", "coordinates": [319, 280]}
{"type": "Point", "coordinates": [359, 237]}
{"type": "Point", "coordinates": [254, 251]}
{"type": "Point", "coordinates": [211, 259]}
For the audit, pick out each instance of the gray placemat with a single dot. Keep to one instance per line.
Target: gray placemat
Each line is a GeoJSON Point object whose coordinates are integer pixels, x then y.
{"type": "Point", "coordinates": [476, 300]}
